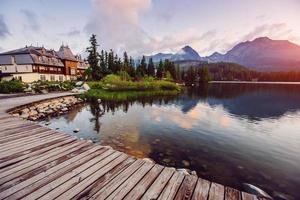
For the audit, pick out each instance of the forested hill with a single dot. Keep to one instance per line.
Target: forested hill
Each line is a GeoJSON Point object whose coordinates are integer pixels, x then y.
{"type": "Point", "coordinates": [231, 71]}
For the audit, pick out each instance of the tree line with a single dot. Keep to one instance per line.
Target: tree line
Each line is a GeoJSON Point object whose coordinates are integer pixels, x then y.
{"type": "Point", "coordinates": [104, 63]}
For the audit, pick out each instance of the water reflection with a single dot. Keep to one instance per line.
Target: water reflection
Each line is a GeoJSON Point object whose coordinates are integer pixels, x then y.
{"type": "Point", "coordinates": [228, 133]}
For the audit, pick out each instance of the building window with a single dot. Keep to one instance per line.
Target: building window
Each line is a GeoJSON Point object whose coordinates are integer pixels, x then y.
{"type": "Point", "coordinates": [42, 77]}
{"type": "Point", "coordinates": [52, 77]}
{"type": "Point", "coordinates": [13, 59]}
{"type": "Point", "coordinates": [61, 78]}
{"type": "Point", "coordinates": [73, 72]}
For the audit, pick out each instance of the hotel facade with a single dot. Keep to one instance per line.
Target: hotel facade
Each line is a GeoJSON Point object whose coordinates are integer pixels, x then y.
{"type": "Point", "coordinates": [30, 64]}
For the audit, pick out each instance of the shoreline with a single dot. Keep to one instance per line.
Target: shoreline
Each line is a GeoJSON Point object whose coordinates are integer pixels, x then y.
{"type": "Point", "coordinates": [257, 82]}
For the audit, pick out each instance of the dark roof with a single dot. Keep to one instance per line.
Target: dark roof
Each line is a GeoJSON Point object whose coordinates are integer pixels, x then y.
{"type": "Point", "coordinates": [32, 55]}
{"type": "Point", "coordinates": [65, 53]}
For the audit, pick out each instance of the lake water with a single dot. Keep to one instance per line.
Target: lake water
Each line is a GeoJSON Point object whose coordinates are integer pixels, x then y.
{"type": "Point", "coordinates": [227, 133]}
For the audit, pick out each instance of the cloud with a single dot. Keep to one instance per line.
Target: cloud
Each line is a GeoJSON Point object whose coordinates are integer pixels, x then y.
{"type": "Point", "coordinates": [3, 28]}
{"type": "Point", "coordinates": [73, 32]}
{"type": "Point", "coordinates": [31, 20]}
{"type": "Point", "coordinates": [117, 23]}
{"type": "Point", "coordinates": [278, 30]}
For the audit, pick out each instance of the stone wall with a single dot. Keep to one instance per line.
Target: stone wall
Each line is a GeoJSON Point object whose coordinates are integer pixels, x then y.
{"type": "Point", "coordinates": [41, 110]}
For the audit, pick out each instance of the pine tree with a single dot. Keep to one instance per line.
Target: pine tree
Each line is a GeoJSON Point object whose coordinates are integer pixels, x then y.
{"type": "Point", "coordinates": [103, 66]}
{"type": "Point", "coordinates": [110, 62]}
{"type": "Point", "coordinates": [170, 67]}
{"type": "Point", "coordinates": [93, 59]}
{"type": "Point", "coordinates": [160, 70]}
{"type": "Point", "coordinates": [143, 66]}
{"type": "Point", "coordinates": [125, 66]}
{"type": "Point", "coordinates": [178, 73]}
{"type": "Point", "coordinates": [131, 68]}
{"type": "Point", "coordinates": [190, 77]}
{"type": "Point", "coordinates": [151, 68]}
{"type": "Point", "coordinates": [204, 76]}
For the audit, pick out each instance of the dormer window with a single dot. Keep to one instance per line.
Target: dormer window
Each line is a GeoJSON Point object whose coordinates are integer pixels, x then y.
{"type": "Point", "coordinates": [13, 60]}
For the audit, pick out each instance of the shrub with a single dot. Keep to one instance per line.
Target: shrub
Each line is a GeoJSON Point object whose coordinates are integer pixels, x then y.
{"type": "Point", "coordinates": [12, 86]}
{"type": "Point", "coordinates": [52, 86]}
{"type": "Point", "coordinates": [115, 83]}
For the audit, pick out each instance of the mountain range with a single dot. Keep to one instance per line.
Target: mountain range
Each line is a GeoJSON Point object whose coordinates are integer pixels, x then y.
{"type": "Point", "coordinates": [263, 54]}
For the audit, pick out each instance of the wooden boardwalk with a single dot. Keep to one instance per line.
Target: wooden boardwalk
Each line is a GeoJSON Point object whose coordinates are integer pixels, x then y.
{"type": "Point", "coordinates": [39, 163]}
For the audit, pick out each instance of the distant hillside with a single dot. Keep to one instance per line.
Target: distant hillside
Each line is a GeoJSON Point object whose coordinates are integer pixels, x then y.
{"type": "Point", "coordinates": [263, 54]}
{"type": "Point", "coordinates": [186, 53]}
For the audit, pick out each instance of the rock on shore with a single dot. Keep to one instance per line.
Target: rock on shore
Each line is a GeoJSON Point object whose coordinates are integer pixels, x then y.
{"type": "Point", "coordinates": [53, 107]}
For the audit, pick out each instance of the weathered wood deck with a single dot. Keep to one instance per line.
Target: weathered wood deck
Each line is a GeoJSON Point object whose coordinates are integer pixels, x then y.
{"type": "Point", "coordinates": [39, 163]}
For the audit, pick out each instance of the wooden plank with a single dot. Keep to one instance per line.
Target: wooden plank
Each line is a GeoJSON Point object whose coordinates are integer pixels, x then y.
{"type": "Point", "coordinates": [232, 194]}
{"type": "Point", "coordinates": [18, 130]}
{"type": "Point", "coordinates": [216, 192]}
{"type": "Point", "coordinates": [247, 196]}
{"type": "Point", "coordinates": [172, 186]}
{"type": "Point", "coordinates": [22, 134]}
{"type": "Point", "coordinates": [26, 140]}
{"type": "Point", "coordinates": [137, 192]}
{"type": "Point", "coordinates": [81, 177]}
{"type": "Point", "coordinates": [15, 149]}
{"type": "Point", "coordinates": [60, 180]}
{"type": "Point", "coordinates": [28, 149]}
{"type": "Point", "coordinates": [9, 119]}
{"type": "Point", "coordinates": [187, 188]}
{"type": "Point", "coordinates": [27, 167]}
{"type": "Point", "coordinates": [28, 186]}
{"type": "Point", "coordinates": [11, 148]}
{"type": "Point", "coordinates": [158, 185]}
{"type": "Point", "coordinates": [202, 189]}
{"type": "Point", "coordinates": [94, 177]}
{"type": "Point", "coordinates": [39, 169]}
{"type": "Point", "coordinates": [126, 186]}
{"type": "Point", "coordinates": [12, 125]}
{"type": "Point", "coordinates": [14, 160]}
{"type": "Point", "coordinates": [38, 158]}
{"type": "Point", "coordinates": [15, 127]}
{"type": "Point", "coordinates": [118, 180]}
{"type": "Point", "coordinates": [100, 182]}
{"type": "Point", "coordinates": [34, 134]}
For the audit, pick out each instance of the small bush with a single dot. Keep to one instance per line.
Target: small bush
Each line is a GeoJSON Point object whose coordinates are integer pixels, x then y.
{"type": "Point", "coordinates": [52, 86]}
{"type": "Point", "coordinates": [11, 87]}
{"type": "Point", "coordinates": [114, 82]}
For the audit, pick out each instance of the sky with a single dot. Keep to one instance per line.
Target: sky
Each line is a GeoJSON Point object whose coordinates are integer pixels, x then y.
{"type": "Point", "coordinates": [146, 26]}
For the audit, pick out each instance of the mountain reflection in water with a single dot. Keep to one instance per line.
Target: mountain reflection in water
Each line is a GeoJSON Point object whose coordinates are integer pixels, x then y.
{"type": "Point", "coordinates": [227, 133]}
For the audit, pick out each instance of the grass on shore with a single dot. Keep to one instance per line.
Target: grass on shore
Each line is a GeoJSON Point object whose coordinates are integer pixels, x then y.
{"type": "Point", "coordinates": [112, 87]}
{"type": "Point", "coordinates": [125, 95]}
{"type": "Point", "coordinates": [115, 83]}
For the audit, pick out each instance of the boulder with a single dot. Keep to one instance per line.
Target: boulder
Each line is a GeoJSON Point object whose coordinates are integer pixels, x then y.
{"type": "Point", "coordinates": [65, 109]}
{"type": "Point", "coordinates": [26, 110]}
{"type": "Point", "coordinates": [24, 116]}
{"type": "Point", "coordinates": [33, 112]}
{"type": "Point", "coordinates": [76, 130]}
{"type": "Point", "coordinates": [86, 86]}
{"type": "Point", "coordinates": [79, 83]}
{"type": "Point", "coordinates": [75, 90]}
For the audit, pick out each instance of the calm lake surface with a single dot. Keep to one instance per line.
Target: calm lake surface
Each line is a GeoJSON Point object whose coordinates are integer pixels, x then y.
{"type": "Point", "coordinates": [227, 133]}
